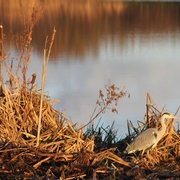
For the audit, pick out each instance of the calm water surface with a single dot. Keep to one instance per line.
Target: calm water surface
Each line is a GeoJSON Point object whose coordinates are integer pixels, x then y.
{"type": "Point", "coordinates": [134, 44]}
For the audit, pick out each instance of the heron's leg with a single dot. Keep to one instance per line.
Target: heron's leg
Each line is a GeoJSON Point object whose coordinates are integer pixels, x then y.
{"type": "Point", "coordinates": [142, 152]}
{"type": "Point", "coordinates": [147, 152]}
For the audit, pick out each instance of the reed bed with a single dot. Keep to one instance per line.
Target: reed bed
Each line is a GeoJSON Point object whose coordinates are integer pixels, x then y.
{"type": "Point", "coordinates": [60, 141]}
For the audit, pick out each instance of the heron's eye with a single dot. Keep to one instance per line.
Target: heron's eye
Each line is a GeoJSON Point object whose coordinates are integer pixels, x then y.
{"type": "Point", "coordinates": [155, 135]}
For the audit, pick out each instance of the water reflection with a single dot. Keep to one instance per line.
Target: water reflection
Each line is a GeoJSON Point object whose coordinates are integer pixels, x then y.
{"type": "Point", "coordinates": [134, 44]}
{"type": "Point", "coordinates": [82, 25]}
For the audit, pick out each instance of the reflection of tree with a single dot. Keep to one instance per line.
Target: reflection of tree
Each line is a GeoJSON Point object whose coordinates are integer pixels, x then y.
{"type": "Point", "coordinates": [81, 25]}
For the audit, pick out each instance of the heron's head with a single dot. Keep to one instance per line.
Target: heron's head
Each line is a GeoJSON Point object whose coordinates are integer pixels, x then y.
{"type": "Point", "coordinates": [129, 149]}
{"type": "Point", "coordinates": [167, 115]}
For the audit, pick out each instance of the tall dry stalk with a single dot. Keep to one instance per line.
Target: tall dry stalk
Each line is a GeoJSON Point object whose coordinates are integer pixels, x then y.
{"type": "Point", "coordinates": [47, 53]}
{"type": "Point", "coordinates": [1, 51]}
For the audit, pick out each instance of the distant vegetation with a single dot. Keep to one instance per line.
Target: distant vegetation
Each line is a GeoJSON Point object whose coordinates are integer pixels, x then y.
{"type": "Point", "coordinates": [92, 21]}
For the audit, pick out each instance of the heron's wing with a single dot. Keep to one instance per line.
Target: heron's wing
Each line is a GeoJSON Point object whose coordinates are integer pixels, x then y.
{"type": "Point", "coordinates": [145, 140]}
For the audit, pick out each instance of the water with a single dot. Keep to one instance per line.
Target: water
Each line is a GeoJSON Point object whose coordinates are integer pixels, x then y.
{"type": "Point", "coordinates": [134, 44]}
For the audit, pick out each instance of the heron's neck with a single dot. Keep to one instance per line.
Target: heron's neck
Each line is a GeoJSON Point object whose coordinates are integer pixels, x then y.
{"type": "Point", "coordinates": [163, 128]}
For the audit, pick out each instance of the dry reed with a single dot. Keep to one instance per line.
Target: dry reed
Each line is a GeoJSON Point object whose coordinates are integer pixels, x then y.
{"type": "Point", "coordinates": [45, 66]}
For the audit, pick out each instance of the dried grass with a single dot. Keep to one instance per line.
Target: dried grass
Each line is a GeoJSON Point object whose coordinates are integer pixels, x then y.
{"type": "Point", "coordinates": [59, 141]}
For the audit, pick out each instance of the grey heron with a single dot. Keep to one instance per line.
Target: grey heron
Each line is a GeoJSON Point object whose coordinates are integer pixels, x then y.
{"type": "Point", "coordinates": [150, 137]}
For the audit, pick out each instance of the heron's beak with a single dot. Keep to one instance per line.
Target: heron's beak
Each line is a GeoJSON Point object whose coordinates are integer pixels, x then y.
{"type": "Point", "coordinates": [175, 117]}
